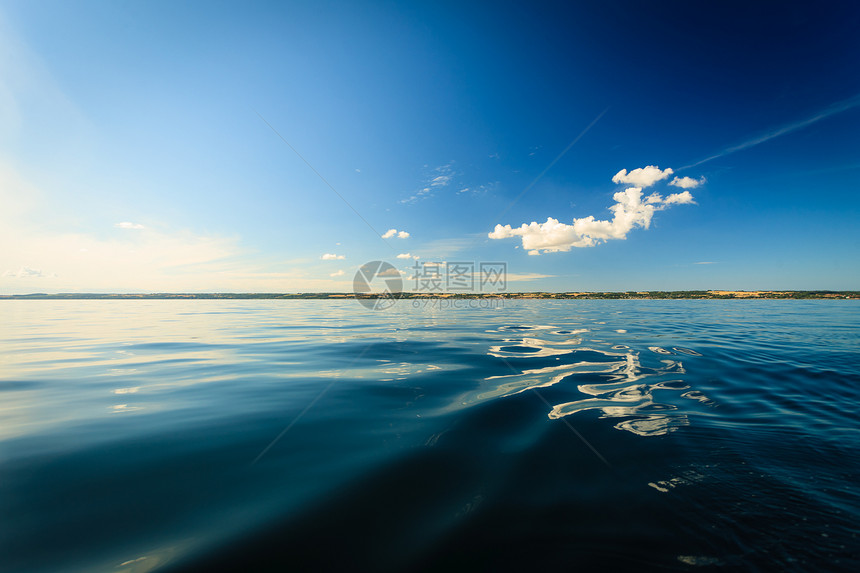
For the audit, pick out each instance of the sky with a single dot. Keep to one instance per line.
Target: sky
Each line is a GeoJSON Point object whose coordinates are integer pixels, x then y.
{"type": "Point", "coordinates": [277, 147]}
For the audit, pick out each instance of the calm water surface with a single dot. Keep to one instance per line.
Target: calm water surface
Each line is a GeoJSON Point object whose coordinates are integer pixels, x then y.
{"type": "Point", "coordinates": [257, 435]}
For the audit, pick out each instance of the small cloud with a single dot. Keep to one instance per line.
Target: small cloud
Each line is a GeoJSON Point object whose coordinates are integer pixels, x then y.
{"type": "Point", "coordinates": [679, 199]}
{"type": "Point", "coordinates": [27, 273]}
{"type": "Point", "coordinates": [515, 277]}
{"type": "Point", "coordinates": [436, 179]}
{"type": "Point", "coordinates": [128, 225]}
{"type": "Point", "coordinates": [339, 273]}
{"type": "Point", "coordinates": [673, 199]}
{"type": "Point", "coordinates": [408, 256]}
{"type": "Point", "coordinates": [395, 233]}
{"type": "Point", "coordinates": [332, 257]}
{"type": "Point", "coordinates": [480, 189]}
{"type": "Point", "coordinates": [642, 177]}
{"type": "Point", "coordinates": [358, 170]}
{"type": "Point", "coordinates": [705, 263]}
{"type": "Point", "coordinates": [686, 182]}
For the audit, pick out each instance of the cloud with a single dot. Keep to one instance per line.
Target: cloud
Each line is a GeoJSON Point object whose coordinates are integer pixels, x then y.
{"type": "Point", "coordinates": [332, 257]}
{"type": "Point", "coordinates": [128, 225]}
{"type": "Point", "coordinates": [35, 235]}
{"type": "Point", "coordinates": [517, 277]}
{"type": "Point", "coordinates": [179, 261]}
{"type": "Point", "coordinates": [407, 256]}
{"type": "Point", "coordinates": [27, 273]}
{"type": "Point", "coordinates": [673, 199]}
{"type": "Point", "coordinates": [629, 212]}
{"type": "Point", "coordinates": [480, 189]}
{"type": "Point", "coordinates": [705, 263]}
{"type": "Point", "coordinates": [339, 273]}
{"type": "Point", "coordinates": [436, 179]}
{"type": "Point", "coordinates": [687, 182]}
{"type": "Point", "coordinates": [642, 177]}
{"type": "Point", "coordinates": [52, 251]}
{"type": "Point", "coordinates": [444, 177]}
{"type": "Point", "coordinates": [395, 233]}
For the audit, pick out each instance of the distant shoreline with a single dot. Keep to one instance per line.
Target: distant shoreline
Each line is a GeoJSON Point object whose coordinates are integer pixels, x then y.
{"type": "Point", "coordinates": [629, 295]}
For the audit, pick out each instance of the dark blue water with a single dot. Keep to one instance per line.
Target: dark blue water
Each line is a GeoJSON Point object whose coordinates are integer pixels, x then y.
{"type": "Point", "coordinates": [260, 435]}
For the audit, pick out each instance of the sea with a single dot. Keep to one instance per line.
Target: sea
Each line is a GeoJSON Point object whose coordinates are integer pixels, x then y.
{"type": "Point", "coordinates": [431, 435]}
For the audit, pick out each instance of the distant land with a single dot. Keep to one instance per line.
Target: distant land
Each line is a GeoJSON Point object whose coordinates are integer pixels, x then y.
{"type": "Point", "coordinates": [642, 295]}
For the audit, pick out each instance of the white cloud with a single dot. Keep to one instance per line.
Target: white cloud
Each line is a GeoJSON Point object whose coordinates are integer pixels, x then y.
{"type": "Point", "coordinates": [705, 263]}
{"type": "Point", "coordinates": [436, 179]}
{"type": "Point", "coordinates": [673, 199]}
{"type": "Point", "coordinates": [332, 257]}
{"type": "Point", "coordinates": [480, 189]}
{"type": "Point", "coordinates": [407, 256]}
{"type": "Point", "coordinates": [517, 277]}
{"type": "Point", "coordinates": [629, 212]}
{"type": "Point", "coordinates": [339, 273]}
{"type": "Point", "coordinates": [395, 233]}
{"type": "Point", "coordinates": [686, 182]}
{"type": "Point", "coordinates": [446, 172]}
{"type": "Point", "coordinates": [128, 225]}
{"type": "Point", "coordinates": [27, 273]}
{"type": "Point", "coordinates": [642, 177]}
{"type": "Point", "coordinates": [679, 198]}
{"type": "Point", "coordinates": [157, 262]}
{"type": "Point", "coordinates": [36, 237]}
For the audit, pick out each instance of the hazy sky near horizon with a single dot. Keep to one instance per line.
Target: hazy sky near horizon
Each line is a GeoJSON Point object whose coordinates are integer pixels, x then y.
{"type": "Point", "coordinates": [277, 146]}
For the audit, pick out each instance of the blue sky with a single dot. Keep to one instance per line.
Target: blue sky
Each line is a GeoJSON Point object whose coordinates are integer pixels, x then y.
{"type": "Point", "coordinates": [141, 144]}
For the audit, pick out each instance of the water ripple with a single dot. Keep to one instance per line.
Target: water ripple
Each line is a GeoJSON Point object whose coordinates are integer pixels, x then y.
{"type": "Point", "coordinates": [625, 390]}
